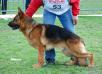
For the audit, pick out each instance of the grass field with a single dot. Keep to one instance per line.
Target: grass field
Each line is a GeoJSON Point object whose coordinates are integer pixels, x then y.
{"type": "Point", "coordinates": [14, 45]}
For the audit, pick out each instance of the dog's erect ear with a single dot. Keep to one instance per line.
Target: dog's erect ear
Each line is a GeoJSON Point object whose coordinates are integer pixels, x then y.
{"type": "Point", "coordinates": [20, 12]}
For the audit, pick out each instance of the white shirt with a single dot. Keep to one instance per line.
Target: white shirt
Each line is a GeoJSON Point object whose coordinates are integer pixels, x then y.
{"type": "Point", "coordinates": [56, 6]}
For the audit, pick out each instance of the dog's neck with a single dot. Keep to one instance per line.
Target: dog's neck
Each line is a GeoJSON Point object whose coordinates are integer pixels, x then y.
{"type": "Point", "coordinates": [28, 29]}
{"type": "Point", "coordinates": [27, 25]}
{"type": "Point", "coordinates": [29, 20]}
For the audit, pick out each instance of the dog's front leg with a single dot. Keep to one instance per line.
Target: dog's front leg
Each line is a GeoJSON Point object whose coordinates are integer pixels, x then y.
{"type": "Point", "coordinates": [40, 57]}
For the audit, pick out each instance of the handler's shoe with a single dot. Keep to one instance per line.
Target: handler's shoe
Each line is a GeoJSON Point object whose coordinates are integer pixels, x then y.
{"type": "Point", "coordinates": [50, 61]}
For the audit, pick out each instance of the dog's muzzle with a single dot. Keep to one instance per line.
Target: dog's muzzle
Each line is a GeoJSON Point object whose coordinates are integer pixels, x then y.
{"type": "Point", "coordinates": [14, 26]}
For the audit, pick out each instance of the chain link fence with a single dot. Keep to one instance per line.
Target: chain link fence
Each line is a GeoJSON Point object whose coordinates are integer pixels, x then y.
{"type": "Point", "coordinates": [10, 6]}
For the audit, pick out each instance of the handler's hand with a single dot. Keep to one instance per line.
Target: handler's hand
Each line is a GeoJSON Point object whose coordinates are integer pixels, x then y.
{"type": "Point", "coordinates": [75, 20]}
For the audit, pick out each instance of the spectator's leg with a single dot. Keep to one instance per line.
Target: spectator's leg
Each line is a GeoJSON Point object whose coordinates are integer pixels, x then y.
{"type": "Point", "coordinates": [27, 3]}
{"type": "Point", "coordinates": [0, 4]}
{"type": "Point", "coordinates": [0, 1]}
{"type": "Point", "coordinates": [4, 6]}
{"type": "Point", "coordinates": [49, 18]}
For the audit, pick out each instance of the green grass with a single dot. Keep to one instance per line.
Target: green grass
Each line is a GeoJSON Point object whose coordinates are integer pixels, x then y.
{"type": "Point", "coordinates": [94, 6]}
{"type": "Point", "coordinates": [14, 45]}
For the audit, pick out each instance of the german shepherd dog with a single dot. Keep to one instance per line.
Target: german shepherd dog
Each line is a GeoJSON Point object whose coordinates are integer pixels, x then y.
{"type": "Point", "coordinates": [44, 37]}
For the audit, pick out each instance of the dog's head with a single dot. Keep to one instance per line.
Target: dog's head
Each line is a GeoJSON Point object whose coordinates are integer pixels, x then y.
{"type": "Point", "coordinates": [20, 20]}
{"type": "Point", "coordinates": [15, 23]}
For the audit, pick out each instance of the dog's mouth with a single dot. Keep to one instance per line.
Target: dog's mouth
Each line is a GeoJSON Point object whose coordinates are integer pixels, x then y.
{"type": "Point", "coordinates": [14, 26]}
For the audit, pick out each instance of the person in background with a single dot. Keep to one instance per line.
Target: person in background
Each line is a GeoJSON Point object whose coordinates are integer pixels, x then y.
{"type": "Point", "coordinates": [66, 10]}
{"type": "Point", "coordinates": [27, 3]}
{"type": "Point", "coordinates": [4, 6]}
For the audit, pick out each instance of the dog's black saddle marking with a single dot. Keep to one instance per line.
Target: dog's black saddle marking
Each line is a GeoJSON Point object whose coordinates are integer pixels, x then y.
{"type": "Point", "coordinates": [54, 32]}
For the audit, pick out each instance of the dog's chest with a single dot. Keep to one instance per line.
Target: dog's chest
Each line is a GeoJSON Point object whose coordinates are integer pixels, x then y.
{"type": "Point", "coordinates": [33, 43]}
{"type": "Point", "coordinates": [34, 38]}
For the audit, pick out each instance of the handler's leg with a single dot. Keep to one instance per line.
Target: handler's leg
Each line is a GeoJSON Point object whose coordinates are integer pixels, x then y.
{"type": "Point", "coordinates": [66, 20]}
{"type": "Point", "coordinates": [49, 18]}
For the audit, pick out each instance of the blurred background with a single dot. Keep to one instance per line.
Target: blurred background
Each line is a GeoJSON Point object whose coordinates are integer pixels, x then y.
{"type": "Point", "coordinates": [88, 7]}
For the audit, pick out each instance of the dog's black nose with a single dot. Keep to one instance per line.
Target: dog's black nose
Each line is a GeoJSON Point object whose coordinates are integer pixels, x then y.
{"type": "Point", "coordinates": [13, 25]}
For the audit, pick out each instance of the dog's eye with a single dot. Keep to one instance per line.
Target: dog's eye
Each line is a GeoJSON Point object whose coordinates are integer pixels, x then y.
{"type": "Point", "coordinates": [15, 19]}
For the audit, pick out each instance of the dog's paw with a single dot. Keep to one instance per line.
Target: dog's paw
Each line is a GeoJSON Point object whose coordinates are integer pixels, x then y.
{"type": "Point", "coordinates": [37, 66]}
{"type": "Point", "coordinates": [91, 66]}
{"type": "Point", "coordinates": [70, 63]}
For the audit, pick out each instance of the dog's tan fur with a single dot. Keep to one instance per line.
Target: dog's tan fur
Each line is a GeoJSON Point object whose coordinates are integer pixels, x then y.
{"type": "Point", "coordinates": [35, 35]}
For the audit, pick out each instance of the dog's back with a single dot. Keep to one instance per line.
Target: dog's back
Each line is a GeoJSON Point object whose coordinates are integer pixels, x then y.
{"type": "Point", "coordinates": [54, 32]}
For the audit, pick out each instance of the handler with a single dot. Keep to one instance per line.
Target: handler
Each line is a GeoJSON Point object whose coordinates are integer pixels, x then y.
{"type": "Point", "coordinates": [66, 10]}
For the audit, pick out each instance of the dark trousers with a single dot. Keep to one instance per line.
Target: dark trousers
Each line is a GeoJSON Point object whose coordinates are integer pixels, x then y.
{"type": "Point", "coordinates": [50, 56]}
{"type": "Point", "coordinates": [27, 3]}
{"type": "Point", "coordinates": [4, 6]}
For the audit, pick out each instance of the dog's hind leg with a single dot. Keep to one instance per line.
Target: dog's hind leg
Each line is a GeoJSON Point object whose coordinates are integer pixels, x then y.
{"type": "Point", "coordinates": [73, 60]}
{"type": "Point", "coordinates": [82, 62]}
{"type": "Point", "coordinates": [86, 55]}
{"type": "Point", "coordinates": [91, 59]}
{"type": "Point", "coordinates": [91, 64]}
{"type": "Point", "coordinates": [78, 50]}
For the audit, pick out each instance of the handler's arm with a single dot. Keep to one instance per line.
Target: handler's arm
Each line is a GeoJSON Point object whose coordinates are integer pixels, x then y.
{"type": "Point", "coordinates": [75, 9]}
{"type": "Point", "coordinates": [33, 6]}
